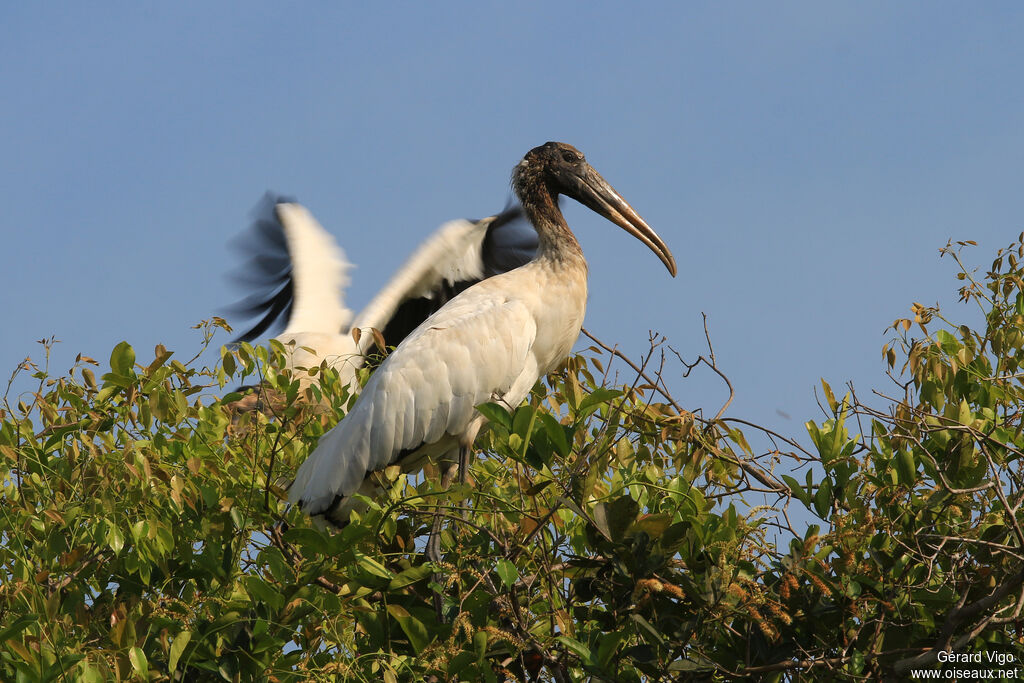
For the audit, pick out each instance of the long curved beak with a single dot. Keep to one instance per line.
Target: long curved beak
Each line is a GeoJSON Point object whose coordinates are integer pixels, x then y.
{"type": "Point", "coordinates": [594, 192]}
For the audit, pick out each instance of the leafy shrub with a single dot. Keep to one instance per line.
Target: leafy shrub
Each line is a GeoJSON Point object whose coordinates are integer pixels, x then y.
{"type": "Point", "coordinates": [607, 532]}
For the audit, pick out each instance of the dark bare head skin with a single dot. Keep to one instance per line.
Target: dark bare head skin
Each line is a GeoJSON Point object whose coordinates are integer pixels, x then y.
{"type": "Point", "coordinates": [557, 168]}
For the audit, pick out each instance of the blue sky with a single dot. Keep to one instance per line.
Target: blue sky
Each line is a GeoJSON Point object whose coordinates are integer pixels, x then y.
{"type": "Point", "coordinates": [804, 160]}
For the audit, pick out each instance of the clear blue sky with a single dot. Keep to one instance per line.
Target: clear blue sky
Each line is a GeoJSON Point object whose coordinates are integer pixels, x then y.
{"type": "Point", "coordinates": [804, 160]}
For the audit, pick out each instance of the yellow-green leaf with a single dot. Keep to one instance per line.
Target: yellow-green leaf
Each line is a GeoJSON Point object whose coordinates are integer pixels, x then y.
{"type": "Point", "coordinates": [122, 359]}
{"type": "Point", "coordinates": [177, 647]}
{"type": "Point", "coordinates": [138, 659]}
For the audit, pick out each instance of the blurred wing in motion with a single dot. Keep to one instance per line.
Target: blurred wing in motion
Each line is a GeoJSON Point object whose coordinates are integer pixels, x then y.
{"type": "Point", "coordinates": [299, 275]}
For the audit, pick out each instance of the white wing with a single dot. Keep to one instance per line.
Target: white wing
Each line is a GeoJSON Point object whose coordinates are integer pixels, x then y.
{"type": "Point", "coordinates": [450, 255]}
{"type": "Point", "coordinates": [456, 256]}
{"type": "Point", "coordinates": [476, 349]}
{"type": "Point", "coordinates": [295, 272]}
{"type": "Point", "coordinates": [319, 274]}
{"type": "Point", "coordinates": [319, 321]}
{"type": "Point", "coordinates": [302, 273]}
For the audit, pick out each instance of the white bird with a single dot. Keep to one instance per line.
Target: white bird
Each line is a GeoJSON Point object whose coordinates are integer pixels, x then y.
{"type": "Point", "coordinates": [492, 342]}
{"type": "Point", "coordinates": [302, 274]}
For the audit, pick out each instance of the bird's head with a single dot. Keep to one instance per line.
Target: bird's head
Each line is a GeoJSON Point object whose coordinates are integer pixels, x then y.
{"type": "Point", "coordinates": [559, 168]}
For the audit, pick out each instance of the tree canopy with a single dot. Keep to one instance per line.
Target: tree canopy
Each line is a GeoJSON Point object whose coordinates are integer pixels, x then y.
{"type": "Point", "coordinates": [607, 532]}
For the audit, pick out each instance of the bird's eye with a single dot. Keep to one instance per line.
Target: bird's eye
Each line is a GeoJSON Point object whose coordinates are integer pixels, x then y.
{"type": "Point", "coordinates": [569, 157]}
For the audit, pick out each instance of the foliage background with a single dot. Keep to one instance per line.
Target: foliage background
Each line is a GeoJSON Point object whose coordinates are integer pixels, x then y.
{"type": "Point", "coordinates": [608, 531]}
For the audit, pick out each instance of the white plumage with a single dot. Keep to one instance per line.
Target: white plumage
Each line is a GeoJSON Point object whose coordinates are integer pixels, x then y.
{"type": "Point", "coordinates": [490, 343]}
{"type": "Point", "coordinates": [483, 346]}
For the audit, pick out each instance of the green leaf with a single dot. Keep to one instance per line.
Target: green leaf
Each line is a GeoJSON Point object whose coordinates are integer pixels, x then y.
{"type": "Point", "coordinates": [556, 434]}
{"type": "Point", "coordinates": [644, 654]}
{"type": "Point", "coordinates": [496, 413]}
{"type": "Point", "coordinates": [571, 504]}
{"type": "Point", "coordinates": [576, 647]}
{"type": "Point", "coordinates": [816, 437]}
{"type": "Point", "coordinates": [964, 415]}
{"type": "Point", "coordinates": [480, 645]}
{"type": "Point", "coordinates": [612, 519]}
{"type": "Point", "coordinates": [374, 567]}
{"type": "Point", "coordinates": [655, 634]}
{"type": "Point", "coordinates": [414, 629]}
{"type": "Point", "coordinates": [654, 525]}
{"type": "Point", "coordinates": [688, 665]}
{"type": "Point", "coordinates": [830, 398]}
{"type": "Point", "coordinates": [459, 662]}
{"type": "Point", "coordinates": [607, 645]}
{"type": "Point", "coordinates": [674, 535]}
{"type": "Point", "coordinates": [160, 356]}
{"type": "Point", "coordinates": [115, 538]}
{"type": "Point", "coordinates": [89, 673]}
{"type": "Point", "coordinates": [906, 468]}
{"type": "Point", "coordinates": [177, 647]}
{"type": "Point", "coordinates": [948, 342]}
{"type": "Point", "coordinates": [857, 662]}
{"type": "Point", "coordinates": [122, 359]}
{"type": "Point", "coordinates": [228, 360]}
{"type": "Point", "coordinates": [19, 625]}
{"type": "Point", "coordinates": [261, 590]}
{"type": "Point", "coordinates": [823, 498]}
{"type": "Point", "coordinates": [410, 576]}
{"type": "Point", "coordinates": [312, 541]}
{"type": "Point", "coordinates": [507, 572]}
{"type": "Point", "coordinates": [138, 659]}
{"type": "Point", "coordinates": [231, 397]}
{"type": "Point", "coordinates": [538, 487]}
{"type": "Point", "coordinates": [374, 625]}
{"type": "Point", "coordinates": [798, 490]}
{"type": "Point", "coordinates": [594, 399]}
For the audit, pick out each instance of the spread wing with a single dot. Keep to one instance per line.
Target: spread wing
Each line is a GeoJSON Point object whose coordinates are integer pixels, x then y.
{"type": "Point", "coordinates": [299, 274]}
{"type": "Point", "coordinates": [455, 257]}
{"type": "Point", "coordinates": [297, 270]}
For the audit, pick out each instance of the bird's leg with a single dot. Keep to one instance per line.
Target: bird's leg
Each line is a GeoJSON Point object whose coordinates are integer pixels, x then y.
{"type": "Point", "coordinates": [434, 555]}
{"type": "Point", "coordinates": [449, 472]}
{"type": "Point", "coordinates": [464, 455]}
{"type": "Point", "coordinates": [433, 549]}
{"type": "Point", "coordinates": [463, 463]}
{"type": "Point", "coordinates": [433, 540]}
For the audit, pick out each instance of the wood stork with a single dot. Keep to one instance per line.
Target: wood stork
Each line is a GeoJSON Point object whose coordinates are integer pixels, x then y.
{"type": "Point", "coordinates": [301, 274]}
{"type": "Point", "coordinates": [492, 342]}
